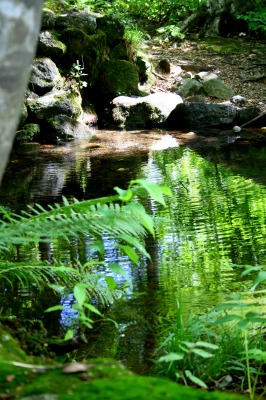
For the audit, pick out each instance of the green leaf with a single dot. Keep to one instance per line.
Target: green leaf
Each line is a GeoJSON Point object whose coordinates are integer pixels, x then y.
{"type": "Point", "coordinates": [261, 277]}
{"type": "Point", "coordinates": [134, 242]}
{"type": "Point", "coordinates": [207, 345]}
{"type": "Point", "coordinates": [153, 189]}
{"type": "Point", "coordinates": [80, 294]}
{"type": "Point", "coordinates": [54, 308]}
{"type": "Point", "coordinates": [110, 282]}
{"type": "Point", "coordinates": [124, 195]}
{"type": "Point", "coordinates": [92, 308]}
{"type": "Point", "coordinates": [196, 380]}
{"type": "Point", "coordinates": [130, 253]}
{"type": "Point", "coordinates": [69, 334]}
{"type": "Point", "coordinates": [171, 357]}
{"type": "Point", "coordinates": [202, 353]}
{"type": "Point", "coordinates": [120, 271]}
{"type": "Point", "coordinates": [98, 245]}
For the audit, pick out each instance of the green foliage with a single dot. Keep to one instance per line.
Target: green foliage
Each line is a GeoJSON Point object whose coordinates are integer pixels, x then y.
{"type": "Point", "coordinates": [256, 19]}
{"type": "Point", "coordinates": [228, 340]}
{"type": "Point", "coordinates": [92, 218]}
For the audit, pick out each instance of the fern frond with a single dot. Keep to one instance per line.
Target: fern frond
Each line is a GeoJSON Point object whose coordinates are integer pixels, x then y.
{"type": "Point", "coordinates": [38, 275]}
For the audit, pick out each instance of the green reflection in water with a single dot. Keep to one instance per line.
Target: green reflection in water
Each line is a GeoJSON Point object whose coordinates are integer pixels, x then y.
{"type": "Point", "coordinates": [215, 219]}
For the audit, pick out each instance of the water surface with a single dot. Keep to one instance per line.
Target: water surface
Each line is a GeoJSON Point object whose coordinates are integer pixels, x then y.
{"type": "Point", "coordinates": [212, 227]}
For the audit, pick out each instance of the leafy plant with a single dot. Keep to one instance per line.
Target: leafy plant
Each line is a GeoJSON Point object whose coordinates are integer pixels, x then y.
{"type": "Point", "coordinates": [256, 19]}
{"type": "Point", "coordinates": [77, 73]}
{"type": "Point", "coordinates": [228, 340]}
{"type": "Point", "coordinates": [92, 218]}
{"type": "Point", "coordinates": [170, 32]}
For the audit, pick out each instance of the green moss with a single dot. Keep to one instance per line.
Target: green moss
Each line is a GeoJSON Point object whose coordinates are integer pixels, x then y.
{"type": "Point", "coordinates": [91, 48]}
{"type": "Point", "coordinates": [27, 133]}
{"type": "Point", "coordinates": [104, 379]}
{"type": "Point", "coordinates": [222, 45]}
{"type": "Point", "coordinates": [119, 77]}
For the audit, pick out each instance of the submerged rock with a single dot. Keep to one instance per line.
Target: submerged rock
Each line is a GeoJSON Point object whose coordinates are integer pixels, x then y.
{"type": "Point", "coordinates": [62, 127]}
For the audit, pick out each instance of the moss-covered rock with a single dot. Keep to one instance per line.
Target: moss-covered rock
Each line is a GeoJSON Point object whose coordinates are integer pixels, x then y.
{"type": "Point", "coordinates": [118, 77]}
{"type": "Point", "coordinates": [50, 46]}
{"type": "Point", "coordinates": [91, 49]}
{"type": "Point", "coordinates": [24, 377]}
{"type": "Point", "coordinates": [58, 102]}
{"type": "Point", "coordinates": [27, 133]}
{"type": "Point", "coordinates": [113, 28]}
{"type": "Point", "coordinates": [44, 76]}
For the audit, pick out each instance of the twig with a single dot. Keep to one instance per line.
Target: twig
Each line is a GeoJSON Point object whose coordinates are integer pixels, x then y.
{"type": "Point", "coordinates": [159, 76]}
{"type": "Point", "coordinates": [254, 119]}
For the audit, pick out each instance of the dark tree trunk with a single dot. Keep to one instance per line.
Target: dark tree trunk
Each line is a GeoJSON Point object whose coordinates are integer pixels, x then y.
{"type": "Point", "coordinates": [219, 17]}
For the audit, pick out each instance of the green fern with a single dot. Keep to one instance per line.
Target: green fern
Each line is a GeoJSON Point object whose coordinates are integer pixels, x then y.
{"type": "Point", "coordinates": [119, 216]}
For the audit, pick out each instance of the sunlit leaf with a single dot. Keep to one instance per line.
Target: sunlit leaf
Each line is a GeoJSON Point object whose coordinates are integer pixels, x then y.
{"type": "Point", "coordinates": [92, 308]}
{"type": "Point", "coordinates": [120, 271]}
{"type": "Point", "coordinates": [130, 253]}
{"type": "Point", "coordinates": [80, 294]}
{"type": "Point", "coordinates": [54, 308]}
{"type": "Point", "coordinates": [110, 282]}
{"type": "Point", "coordinates": [207, 345]}
{"type": "Point", "coordinates": [202, 353]}
{"type": "Point", "coordinates": [69, 334]}
{"type": "Point", "coordinates": [153, 189]}
{"type": "Point", "coordinates": [171, 357]}
{"type": "Point", "coordinates": [194, 379]}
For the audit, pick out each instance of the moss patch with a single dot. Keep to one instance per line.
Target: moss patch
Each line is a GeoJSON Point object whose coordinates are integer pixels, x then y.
{"type": "Point", "coordinates": [118, 77]}
{"type": "Point", "coordinates": [92, 48]}
{"type": "Point", "coordinates": [22, 376]}
{"type": "Point", "coordinates": [222, 45]}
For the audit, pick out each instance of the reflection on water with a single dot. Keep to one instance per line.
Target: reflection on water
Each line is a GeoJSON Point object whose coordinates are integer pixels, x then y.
{"type": "Point", "coordinates": [213, 224]}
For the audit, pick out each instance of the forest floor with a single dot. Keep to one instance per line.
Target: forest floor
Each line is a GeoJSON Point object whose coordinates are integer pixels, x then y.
{"type": "Point", "coordinates": [239, 63]}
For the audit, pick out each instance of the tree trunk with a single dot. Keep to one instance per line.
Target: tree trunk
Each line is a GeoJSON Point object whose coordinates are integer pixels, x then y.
{"type": "Point", "coordinates": [19, 27]}
{"type": "Point", "coordinates": [218, 17]}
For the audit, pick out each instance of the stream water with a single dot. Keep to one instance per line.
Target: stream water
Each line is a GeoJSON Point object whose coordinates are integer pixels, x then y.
{"type": "Point", "coordinates": [212, 227]}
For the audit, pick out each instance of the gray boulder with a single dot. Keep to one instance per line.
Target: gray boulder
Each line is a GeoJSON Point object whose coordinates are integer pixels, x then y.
{"type": "Point", "coordinates": [57, 102]}
{"type": "Point", "coordinates": [214, 86]}
{"type": "Point", "coordinates": [77, 19]}
{"type": "Point", "coordinates": [188, 87]}
{"type": "Point", "coordinates": [201, 115]}
{"type": "Point", "coordinates": [50, 46]}
{"type": "Point", "coordinates": [44, 76]}
{"type": "Point", "coordinates": [62, 127]}
{"type": "Point", "coordinates": [143, 112]}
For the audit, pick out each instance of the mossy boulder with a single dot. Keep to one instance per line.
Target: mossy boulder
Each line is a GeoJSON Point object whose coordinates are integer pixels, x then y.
{"type": "Point", "coordinates": [58, 102]}
{"type": "Point", "coordinates": [62, 127]}
{"type": "Point", "coordinates": [77, 19]}
{"type": "Point", "coordinates": [25, 377]}
{"type": "Point", "coordinates": [89, 49]}
{"type": "Point", "coordinates": [27, 133]}
{"type": "Point", "coordinates": [113, 28]}
{"type": "Point", "coordinates": [50, 46]}
{"type": "Point", "coordinates": [44, 76]}
{"type": "Point", "coordinates": [118, 77]}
